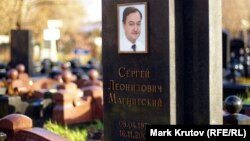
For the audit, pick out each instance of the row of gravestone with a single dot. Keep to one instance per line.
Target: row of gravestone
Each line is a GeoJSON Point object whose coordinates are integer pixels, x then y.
{"type": "Point", "coordinates": [52, 68]}
{"type": "Point", "coordinates": [63, 112]}
{"type": "Point", "coordinates": [15, 101]}
{"type": "Point", "coordinates": [49, 103]}
{"type": "Point", "coordinates": [10, 125]}
{"type": "Point", "coordinates": [20, 127]}
{"type": "Point", "coordinates": [235, 57]}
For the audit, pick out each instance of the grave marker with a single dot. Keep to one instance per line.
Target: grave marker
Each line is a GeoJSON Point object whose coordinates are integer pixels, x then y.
{"type": "Point", "coordinates": [176, 81]}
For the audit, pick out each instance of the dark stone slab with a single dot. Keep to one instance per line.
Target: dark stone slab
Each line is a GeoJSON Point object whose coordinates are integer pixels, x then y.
{"type": "Point", "coordinates": [21, 49]}
{"type": "Point", "coordinates": [179, 80]}
{"type": "Point", "coordinates": [226, 48]}
{"type": "Point", "coordinates": [147, 99]}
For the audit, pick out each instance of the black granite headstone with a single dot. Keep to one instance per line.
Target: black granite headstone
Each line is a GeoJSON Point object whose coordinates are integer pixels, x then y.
{"type": "Point", "coordinates": [136, 86]}
{"type": "Point", "coordinates": [165, 85]}
{"type": "Point", "coordinates": [226, 48]}
{"type": "Point", "coordinates": [21, 49]}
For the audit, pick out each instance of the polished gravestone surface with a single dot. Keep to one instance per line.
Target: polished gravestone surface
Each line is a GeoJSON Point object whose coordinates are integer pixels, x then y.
{"type": "Point", "coordinates": [176, 81]}
{"type": "Point", "coordinates": [21, 49]}
{"type": "Point", "coordinates": [136, 85]}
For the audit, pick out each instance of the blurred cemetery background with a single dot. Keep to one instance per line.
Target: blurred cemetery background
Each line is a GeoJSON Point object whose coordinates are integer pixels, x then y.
{"type": "Point", "coordinates": [62, 31]}
{"type": "Point", "coordinates": [236, 47]}
{"type": "Point", "coordinates": [59, 76]}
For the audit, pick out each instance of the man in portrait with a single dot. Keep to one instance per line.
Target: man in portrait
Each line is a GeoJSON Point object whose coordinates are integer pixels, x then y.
{"type": "Point", "coordinates": [131, 23]}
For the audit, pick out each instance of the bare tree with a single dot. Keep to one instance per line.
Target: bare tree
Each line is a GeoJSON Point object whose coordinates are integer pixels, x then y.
{"type": "Point", "coordinates": [34, 14]}
{"type": "Point", "coordinates": [8, 14]}
{"type": "Point", "coordinates": [236, 16]}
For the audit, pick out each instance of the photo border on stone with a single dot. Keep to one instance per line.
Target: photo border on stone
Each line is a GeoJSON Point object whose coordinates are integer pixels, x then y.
{"type": "Point", "coordinates": [142, 40]}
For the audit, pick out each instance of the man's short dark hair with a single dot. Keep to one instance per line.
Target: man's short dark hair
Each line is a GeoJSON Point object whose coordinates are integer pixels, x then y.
{"type": "Point", "coordinates": [128, 11]}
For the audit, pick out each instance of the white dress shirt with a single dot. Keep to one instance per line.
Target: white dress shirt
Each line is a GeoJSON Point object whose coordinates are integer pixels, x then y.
{"type": "Point", "coordinates": [126, 46]}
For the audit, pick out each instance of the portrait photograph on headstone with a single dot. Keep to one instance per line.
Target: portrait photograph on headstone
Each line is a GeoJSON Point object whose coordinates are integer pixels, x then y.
{"type": "Point", "coordinates": [132, 25]}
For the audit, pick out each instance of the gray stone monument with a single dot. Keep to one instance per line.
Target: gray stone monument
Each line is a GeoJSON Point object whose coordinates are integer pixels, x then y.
{"type": "Point", "coordinates": [177, 79]}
